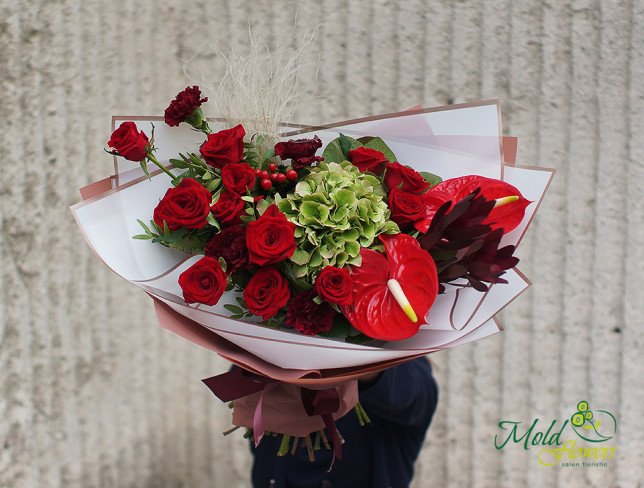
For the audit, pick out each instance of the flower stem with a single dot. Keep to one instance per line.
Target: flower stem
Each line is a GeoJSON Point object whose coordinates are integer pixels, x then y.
{"type": "Point", "coordinates": [152, 158]}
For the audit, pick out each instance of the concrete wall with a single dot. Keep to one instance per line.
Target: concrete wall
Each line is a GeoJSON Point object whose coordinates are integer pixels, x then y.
{"type": "Point", "coordinates": [93, 393]}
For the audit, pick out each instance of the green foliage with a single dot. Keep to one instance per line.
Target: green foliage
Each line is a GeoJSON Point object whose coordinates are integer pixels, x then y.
{"type": "Point", "coordinates": [338, 149]}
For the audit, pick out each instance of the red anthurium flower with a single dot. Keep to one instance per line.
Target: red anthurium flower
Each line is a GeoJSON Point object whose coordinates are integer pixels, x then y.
{"type": "Point", "coordinates": [376, 311]}
{"type": "Point", "coordinates": [507, 216]}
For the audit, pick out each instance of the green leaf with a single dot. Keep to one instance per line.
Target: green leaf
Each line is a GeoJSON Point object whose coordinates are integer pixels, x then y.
{"type": "Point", "coordinates": [144, 167]}
{"type": "Point", "coordinates": [142, 237]}
{"type": "Point", "coordinates": [300, 257]}
{"type": "Point", "coordinates": [248, 198]}
{"type": "Point", "coordinates": [379, 145]}
{"type": "Point", "coordinates": [213, 221]}
{"type": "Point", "coordinates": [214, 183]}
{"type": "Point", "coordinates": [234, 309]}
{"type": "Point", "coordinates": [333, 152]}
{"type": "Point", "coordinates": [179, 163]}
{"type": "Point", "coordinates": [147, 229]}
{"type": "Point", "coordinates": [431, 178]}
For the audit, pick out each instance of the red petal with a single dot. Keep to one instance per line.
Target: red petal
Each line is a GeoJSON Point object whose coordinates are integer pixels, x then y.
{"type": "Point", "coordinates": [375, 311]}
{"type": "Point", "coordinates": [507, 217]}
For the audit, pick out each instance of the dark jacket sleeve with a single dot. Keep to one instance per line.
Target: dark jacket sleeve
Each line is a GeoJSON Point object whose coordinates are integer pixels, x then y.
{"type": "Point", "coordinates": [406, 394]}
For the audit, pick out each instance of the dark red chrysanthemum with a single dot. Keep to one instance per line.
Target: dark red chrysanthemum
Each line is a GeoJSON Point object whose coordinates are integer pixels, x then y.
{"type": "Point", "coordinates": [307, 316]}
{"type": "Point", "coordinates": [300, 151]}
{"type": "Point", "coordinates": [229, 244]}
{"type": "Point", "coordinates": [184, 106]}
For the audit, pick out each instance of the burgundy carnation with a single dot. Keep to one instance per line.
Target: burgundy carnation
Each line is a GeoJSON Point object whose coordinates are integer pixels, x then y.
{"type": "Point", "coordinates": [307, 316]}
{"type": "Point", "coordinates": [229, 244]}
{"type": "Point", "coordinates": [308, 161]}
{"type": "Point", "coordinates": [301, 151]}
{"type": "Point", "coordinates": [183, 106]}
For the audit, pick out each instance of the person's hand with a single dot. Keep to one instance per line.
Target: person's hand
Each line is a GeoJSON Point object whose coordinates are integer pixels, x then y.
{"type": "Point", "coordinates": [369, 378]}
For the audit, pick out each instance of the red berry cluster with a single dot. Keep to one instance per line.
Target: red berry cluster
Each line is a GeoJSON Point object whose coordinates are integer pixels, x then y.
{"type": "Point", "coordinates": [274, 176]}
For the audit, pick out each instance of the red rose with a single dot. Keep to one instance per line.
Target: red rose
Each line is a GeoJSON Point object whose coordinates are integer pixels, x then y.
{"type": "Point", "coordinates": [238, 177]}
{"type": "Point", "coordinates": [183, 107]}
{"type": "Point", "coordinates": [203, 282]}
{"type": "Point", "coordinates": [187, 205]}
{"type": "Point", "coordinates": [507, 216]}
{"type": "Point", "coordinates": [271, 238]}
{"type": "Point", "coordinates": [130, 143]}
{"type": "Point", "coordinates": [228, 208]}
{"type": "Point", "coordinates": [406, 208]}
{"type": "Point", "coordinates": [300, 148]}
{"type": "Point", "coordinates": [367, 159]}
{"type": "Point", "coordinates": [224, 147]}
{"type": "Point", "coordinates": [411, 180]}
{"type": "Point", "coordinates": [334, 285]}
{"type": "Point", "coordinates": [266, 292]}
{"type": "Point", "coordinates": [229, 244]}
{"type": "Point", "coordinates": [307, 316]}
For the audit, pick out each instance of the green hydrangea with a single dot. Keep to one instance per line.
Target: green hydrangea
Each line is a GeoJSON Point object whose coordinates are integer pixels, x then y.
{"type": "Point", "coordinates": [337, 210]}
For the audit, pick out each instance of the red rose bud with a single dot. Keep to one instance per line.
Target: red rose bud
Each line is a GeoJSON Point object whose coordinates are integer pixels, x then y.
{"type": "Point", "coordinates": [187, 205]}
{"type": "Point", "coordinates": [266, 293]}
{"type": "Point", "coordinates": [272, 167]}
{"type": "Point", "coordinates": [229, 244]}
{"type": "Point", "coordinates": [203, 282]}
{"type": "Point", "coordinates": [271, 238]}
{"type": "Point", "coordinates": [334, 285]}
{"type": "Point", "coordinates": [224, 147]}
{"type": "Point", "coordinates": [266, 184]}
{"type": "Point", "coordinates": [308, 317]}
{"type": "Point", "coordinates": [404, 177]}
{"type": "Point", "coordinates": [506, 217]}
{"type": "Point", "coordinates": [281, 177]}
{"type": "Point", "coordinates": [130, 143]}
{"type": "Point", "coordinates": [228, 208]}
{"type": "Point", "coordinates": [186, 107]}
{"type": "Point", "coordinates": [291, 175]}
{"type": "Point", "coordinates": [367, 159]}
{"type": "Point", "coordinates": [238, 177]}
{"type": "Point", "coordinates": [275, 177]}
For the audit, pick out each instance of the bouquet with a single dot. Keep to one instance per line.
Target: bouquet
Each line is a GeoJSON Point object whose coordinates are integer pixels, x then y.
{"type": "Point", "coordinates": [311, 257]}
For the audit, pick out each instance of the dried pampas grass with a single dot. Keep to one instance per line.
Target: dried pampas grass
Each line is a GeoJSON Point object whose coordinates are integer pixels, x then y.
{"type": "Point", "coordinates": [260, 86]}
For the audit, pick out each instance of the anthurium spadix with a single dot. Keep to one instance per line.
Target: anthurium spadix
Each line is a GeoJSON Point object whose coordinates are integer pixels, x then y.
{"type": "Point", "coordinates": [392, 292]}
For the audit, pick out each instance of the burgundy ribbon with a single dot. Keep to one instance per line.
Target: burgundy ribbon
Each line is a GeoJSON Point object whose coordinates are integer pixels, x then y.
{"type": "Point", "coordinates": [324, 403]}
{"type": "Point", "coordinates": [236, 383]}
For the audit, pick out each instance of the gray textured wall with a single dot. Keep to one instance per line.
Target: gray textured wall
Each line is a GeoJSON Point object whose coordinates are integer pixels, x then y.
{"type": "Point", "coordinates": [93, 393]}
